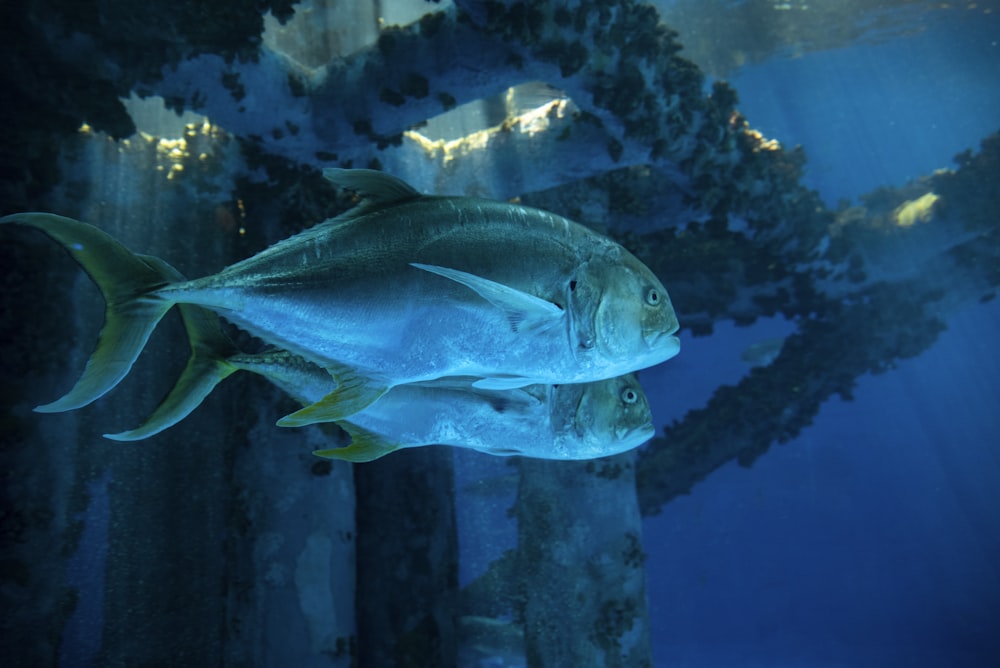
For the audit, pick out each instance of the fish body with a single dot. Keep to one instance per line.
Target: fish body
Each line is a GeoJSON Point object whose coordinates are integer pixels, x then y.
{"type": "Point", "coordinates": [349, 293]}
{"type": "Point", "coordinates": [414, 288]}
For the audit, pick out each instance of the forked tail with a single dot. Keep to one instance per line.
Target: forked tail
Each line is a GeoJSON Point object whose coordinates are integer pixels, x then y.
{"type": "Point", "coordinates": [206, 367]}
{"type": "Point", "coordinates": [131, 312]}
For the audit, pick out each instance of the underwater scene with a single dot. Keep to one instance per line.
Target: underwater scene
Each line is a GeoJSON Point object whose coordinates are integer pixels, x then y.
{"type": "Point", "coordinates": [500, 334]}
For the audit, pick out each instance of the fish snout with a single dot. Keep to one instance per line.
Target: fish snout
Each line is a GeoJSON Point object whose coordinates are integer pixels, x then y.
{"type": "Point", "coordinates": [635, 436]}
{"type": "Point", "coordinates": [664, 342]}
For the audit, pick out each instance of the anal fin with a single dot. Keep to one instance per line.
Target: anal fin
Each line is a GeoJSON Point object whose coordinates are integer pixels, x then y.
{"type": "Point", "coordinates": [353, 394]}
{"type": "Point", "coordinates": [365, 446]}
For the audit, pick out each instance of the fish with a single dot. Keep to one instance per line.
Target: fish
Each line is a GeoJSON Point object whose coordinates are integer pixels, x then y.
{"type": "Point", "coordinates": [562, 422]}
{"type": "Point", "coordinates": [762, 353]}
{"type": "Point", "coordinates": [403, 288]}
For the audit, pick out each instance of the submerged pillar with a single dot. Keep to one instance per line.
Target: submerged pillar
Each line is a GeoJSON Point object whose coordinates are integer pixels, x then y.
{"type": "Point", "coordinates": [580, 564]}
{"type": "Point", "coordinates": [407, 594]}
{"type": "Point", "coordinates": [220, 541]}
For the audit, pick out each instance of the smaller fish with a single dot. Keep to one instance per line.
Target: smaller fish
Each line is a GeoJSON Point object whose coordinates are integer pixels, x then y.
{"type": "Point", "coordinates": [573, 421]}
{"type": "Point", "coordinates": [565, 422]}
{"type": "Point", "coordinates": [763, 352]}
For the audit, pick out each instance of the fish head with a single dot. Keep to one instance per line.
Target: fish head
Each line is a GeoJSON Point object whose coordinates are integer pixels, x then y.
{"type": "Point", "coordinates": [602, 418]}
{"type": "Point", "coordinates": [622, 314]}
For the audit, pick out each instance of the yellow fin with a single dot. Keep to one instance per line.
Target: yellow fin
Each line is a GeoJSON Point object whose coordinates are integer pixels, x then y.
{"type": "Point", "coordinates": [197, 381]}
{"type": "Point", "coordinates": [354, 393]}
{"type": "Point", "coordinates": [365, 446]}
{"type": "Point", "coordinates": [131, 313]}
{"type": "Point", "coordinates": [207, 366]}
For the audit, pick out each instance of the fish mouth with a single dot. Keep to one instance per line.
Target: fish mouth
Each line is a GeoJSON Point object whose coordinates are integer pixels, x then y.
{"type": "Point", "coordinates": [633, 438]}
{"type": "Point", "coordinates": [663, 342]}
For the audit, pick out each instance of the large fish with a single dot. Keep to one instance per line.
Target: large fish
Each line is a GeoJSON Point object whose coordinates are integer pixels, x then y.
{"type": "Point", "coordinates": [403, 288]}
{"type": "Point", "coordinates": [575, 421]}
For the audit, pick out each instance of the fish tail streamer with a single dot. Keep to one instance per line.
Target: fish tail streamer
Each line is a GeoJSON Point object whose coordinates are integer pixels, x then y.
{"type": "Point", "coordinates": [207, 366]}
{"type": "Point", "coordinates": [126, 281]}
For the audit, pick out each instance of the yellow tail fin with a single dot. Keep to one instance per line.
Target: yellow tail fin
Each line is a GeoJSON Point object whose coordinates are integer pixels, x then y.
{"type": "Point", "coordinates": [131, 313]}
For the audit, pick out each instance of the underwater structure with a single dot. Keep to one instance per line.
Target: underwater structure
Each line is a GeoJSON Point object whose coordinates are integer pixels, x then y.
{"type": "Point", "coordinates": [224, 540]}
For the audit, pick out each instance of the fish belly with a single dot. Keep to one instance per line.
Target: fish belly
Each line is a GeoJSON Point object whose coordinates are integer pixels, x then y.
{"type": "Point", "coordinates": [493, 422]}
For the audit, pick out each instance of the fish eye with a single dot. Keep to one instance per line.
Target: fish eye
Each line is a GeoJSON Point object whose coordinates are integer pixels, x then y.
{"type": "Point", "coordinates": [653, 297]}
{"type": "Point", "coordinates": [629, 395]}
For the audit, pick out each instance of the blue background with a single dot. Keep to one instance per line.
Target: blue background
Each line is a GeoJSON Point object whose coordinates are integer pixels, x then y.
{"type": "Point", "coordinates": [874, 538]}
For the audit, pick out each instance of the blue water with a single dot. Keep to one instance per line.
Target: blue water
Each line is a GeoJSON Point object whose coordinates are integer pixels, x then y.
{"type": "Point", "coordinates": [881, 115]}
{"type": "Point", "coordinates": [874, 538]}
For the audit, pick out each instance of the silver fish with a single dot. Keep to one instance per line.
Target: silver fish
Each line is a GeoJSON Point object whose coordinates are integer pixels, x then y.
{"type": "Point", "coordinates": [565, 422]}
{"type": "Point", "coordinates": [403, 288]}
{"type": "Point", "coordinates": [574, 421]}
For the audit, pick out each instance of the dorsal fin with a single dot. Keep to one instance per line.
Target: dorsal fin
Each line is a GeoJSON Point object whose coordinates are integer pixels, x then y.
{"type": "Point", "coordinates": [371, 186]}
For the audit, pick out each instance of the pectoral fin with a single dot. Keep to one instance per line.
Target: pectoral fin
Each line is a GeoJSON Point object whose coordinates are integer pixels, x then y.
{"type": "Point", "coordinates": [354, 393]}
{"type": "Point", "coordinates": [365, 446]}
{"type": "Point", "coordinates": [505, 383]}
{"type": "Point", "coordinates": [524, 311]}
